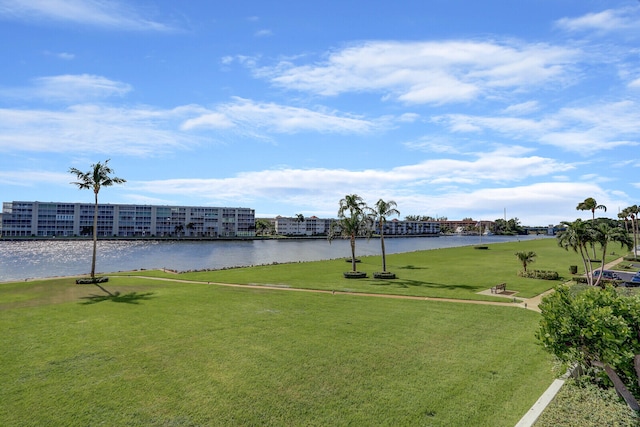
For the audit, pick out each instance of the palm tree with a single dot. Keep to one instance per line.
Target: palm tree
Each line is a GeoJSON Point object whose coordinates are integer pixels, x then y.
{"type": "Point", "coordinates": [380, 213]}
{"type": "Point", "coordinates": [575, 236]}
{"type": "Point", "coordinates": [581, 234]}
{"type": "Point", "coordinates": [353, 221]}
{"type": "Point", "coordinates": [299, 219]}
{"type": "Point", "coordinates": [526, 258]}
{"type": "Point", "coordinates": [262, 226]}
{"type": "Point", "coordinates": [590, 204]}
{"type": "Point", "coordinates": [632, 213]}
{"type": "Point", "coordinates": [95, 179]}
{"type": "Point", "coordinates": [605, 231]}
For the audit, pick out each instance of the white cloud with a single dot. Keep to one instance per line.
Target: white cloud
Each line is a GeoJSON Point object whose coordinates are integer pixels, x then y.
{"type": "Point", "coordinates": [585, 130]}
{"type": "Point", "coordinates": [522, 108]}
{"type": "Point", "coordinates": [289, 183]}
{"type": "Point", "coordinates": [605, 21]}
{"type": "Point", "coordinates": [30, 178]}
{"type": "Point", "coordinates": [61, 55]}
{"type": "Point", "coordinates": [263, 33]}
{"type": "Point", "coordinates": [70, 88]}
{"type": "Point", "coordinates": [427, 72]}
{"type": "Point", "coordinates": [101, 13]}
{"type": "Point", "coordinates": [95, 129]}
{"type": "Point", "coordinates": [277, 118]}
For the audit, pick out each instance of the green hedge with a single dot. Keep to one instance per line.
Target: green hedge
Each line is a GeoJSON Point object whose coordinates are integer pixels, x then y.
{"type": "Point", "coordinates": [540, 274]}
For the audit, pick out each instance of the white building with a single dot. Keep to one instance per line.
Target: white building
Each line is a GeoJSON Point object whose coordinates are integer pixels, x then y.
{"type": "Point", "coordinates": [293, 226]}
{"type": "Point", "coordinates": [39, 219]}
{"type": "Point", "coordinates": [314, 226]}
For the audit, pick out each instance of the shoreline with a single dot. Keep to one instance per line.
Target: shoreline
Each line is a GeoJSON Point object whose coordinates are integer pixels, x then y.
{"type": "Point", "coordinates": [53, 258]}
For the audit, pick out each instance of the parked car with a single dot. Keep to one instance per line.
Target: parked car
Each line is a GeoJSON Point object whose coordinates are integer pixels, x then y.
{"type": "Point", "coordinates": [607, 274]}
{"type": "Point", "coordinates": [633, 282]}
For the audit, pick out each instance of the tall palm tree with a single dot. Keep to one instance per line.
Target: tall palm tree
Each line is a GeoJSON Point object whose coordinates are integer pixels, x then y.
{"type": "Point", "coordinates": [353, 221]}
{"type": "Point", "coordinates": [576, 236]}
{"type": "Point", "coordinates": [581, 234]}
{"type": "Point", "coordinates": [380, 213]}
{"type": "Point", "coordinates": [590, 204]}
{"type": "Point", "coordinates": [623, 216]}
{"type": "Point", "coordinates": [632, 212]}
{"type": "Point", "coordinates": [95, 179]}
{"type": "Point", "coordinates": [606, 231]}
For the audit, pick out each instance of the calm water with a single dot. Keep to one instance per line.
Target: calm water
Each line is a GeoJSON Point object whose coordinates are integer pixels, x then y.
{"type": "Point", "coordinates": [33, 259]}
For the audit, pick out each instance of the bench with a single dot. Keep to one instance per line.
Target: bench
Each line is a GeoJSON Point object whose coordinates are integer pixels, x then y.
{"type": "Point", "coordinates": [498, 289]}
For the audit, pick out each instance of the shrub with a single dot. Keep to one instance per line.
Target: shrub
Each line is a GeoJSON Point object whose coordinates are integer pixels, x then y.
{"type": "Point", "coordinates": [384, 275]}
{"type": "Point", "coordinates": [355, 275]}
{"type": "Point", "coordinates": [582, 404]}
{"type": "Point", "coordinates": [91, 281]}
{"type": "Point", "coordinates": [540, 274]}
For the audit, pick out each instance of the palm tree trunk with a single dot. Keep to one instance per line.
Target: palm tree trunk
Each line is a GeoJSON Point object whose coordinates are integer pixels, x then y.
{"type": "Point", "coordinates": [353, 252]}
{"type": "Point", "coordinates": [95, 238]}
{"type": "Point", "coordinates": [593, 217]}
{"type": "Point", "coordinates": [634, 227]}
{"type": "Point", "coordinates": [384, 257]}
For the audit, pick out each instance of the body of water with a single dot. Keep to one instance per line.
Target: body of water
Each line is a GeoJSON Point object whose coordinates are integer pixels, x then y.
{"type": "Point", "coordinates": [21, 260]}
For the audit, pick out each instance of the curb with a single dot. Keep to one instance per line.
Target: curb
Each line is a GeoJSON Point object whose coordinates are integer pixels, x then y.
{"type": "Point", "coordinates": [530, 418]}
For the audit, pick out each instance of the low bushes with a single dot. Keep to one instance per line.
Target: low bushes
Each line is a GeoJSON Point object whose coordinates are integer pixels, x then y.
{"type": "Point", "coordinates": [540, 274]}
{"type": "Point", "coordinates": [384, 275]}
{"type": "Point", "coordinates": [91, 281]}
{"type": "Point", "coordinates": [355, 274]}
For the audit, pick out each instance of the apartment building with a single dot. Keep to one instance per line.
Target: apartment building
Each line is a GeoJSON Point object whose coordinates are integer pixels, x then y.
{"type": "Point", "coordinates": [40, 219]}
{"type": "Point", "coordinates": [313, 226]}
{"type": "Point", "coordinates": [293, 226]}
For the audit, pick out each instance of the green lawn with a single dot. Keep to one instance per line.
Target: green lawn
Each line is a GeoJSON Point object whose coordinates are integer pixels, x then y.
{"type": "Point", "coordinates": [446, 273]}
{"type": "Point", "coordinates": [183, 354]}
{"type": "Point", "coordinates": [170, 353]}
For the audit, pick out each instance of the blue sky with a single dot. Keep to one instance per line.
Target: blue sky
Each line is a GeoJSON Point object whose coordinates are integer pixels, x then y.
{"type": "Point", "coordinates": [449, 107]}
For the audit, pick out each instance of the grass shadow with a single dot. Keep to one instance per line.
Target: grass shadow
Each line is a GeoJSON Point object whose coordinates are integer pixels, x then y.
{"type": "Point", "coordinates": [130, 298]}
{"type": "Point", "coordinates": [412, 267]}
{"type": "Point", "coordinates": [408, 283]}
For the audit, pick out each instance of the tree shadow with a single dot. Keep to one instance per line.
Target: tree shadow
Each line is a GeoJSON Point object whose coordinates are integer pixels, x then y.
{"type": "Point", "coordinates": [412, 267]}
{"type": "Point", "coordinates": [408, 283]}
{"type": "Point", "coordinates": [130, 298]}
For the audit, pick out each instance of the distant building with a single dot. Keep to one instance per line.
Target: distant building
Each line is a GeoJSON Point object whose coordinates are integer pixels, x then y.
{"type": "Point", "coordinates": [466, 226]}
{"type": "Point", "coordinates": [397, 227]}
{"type": "Point", "coordinates": [40, 219]}
{"type": "Point", "coordinates": [314, 226]}
{"type": "Point", "coordinates": [311, 226]}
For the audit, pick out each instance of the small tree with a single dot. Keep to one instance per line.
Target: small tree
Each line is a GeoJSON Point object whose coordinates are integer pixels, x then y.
{"type": "Point", "coordinates": [99, 176]}
{"type": "Point", "coordinates": [353, 222]}
{"type": "Point", "coordinates": [526, 258]}
{"type": "Point", "coordinates": [596, 329]}
{"type": "Point", "coordinates": [263, 226]}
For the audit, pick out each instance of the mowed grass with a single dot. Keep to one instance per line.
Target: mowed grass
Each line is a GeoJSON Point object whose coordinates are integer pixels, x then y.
{"type": "Point", "coordinates": [182, 354]}
{"type": "Point", "coordinates": [458, 273]}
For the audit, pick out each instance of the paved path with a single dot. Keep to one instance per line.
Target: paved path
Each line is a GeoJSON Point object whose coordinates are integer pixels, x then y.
{"type": "Point", "coordinates": [528, 303]}
{"type": "Point", "coordinates": [531, 304]}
